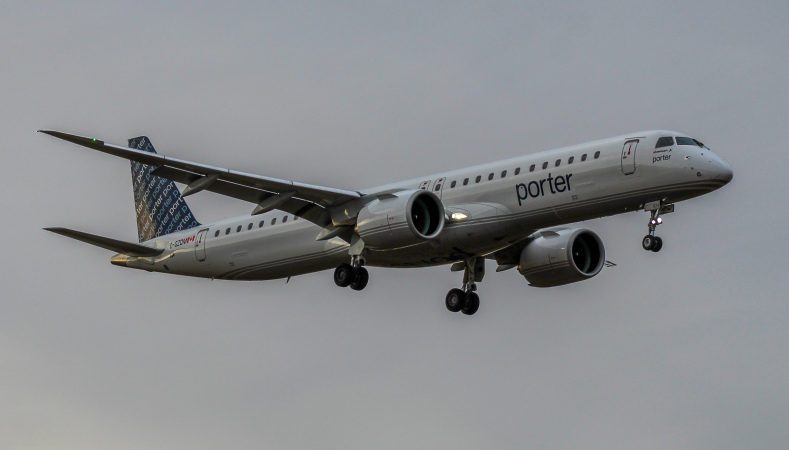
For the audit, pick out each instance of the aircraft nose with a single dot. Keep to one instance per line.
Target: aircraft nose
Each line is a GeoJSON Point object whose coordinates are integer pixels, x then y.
{"type": "Point", "coordinates": [721, 170]}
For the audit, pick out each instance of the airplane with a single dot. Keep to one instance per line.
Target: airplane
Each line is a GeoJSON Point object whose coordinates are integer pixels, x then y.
{"type": "Point", "coordinates": [513, 212]}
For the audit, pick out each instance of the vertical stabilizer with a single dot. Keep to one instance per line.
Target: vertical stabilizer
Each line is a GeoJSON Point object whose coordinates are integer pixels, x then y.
{"type": "Point", "coordinates": [160, 208]}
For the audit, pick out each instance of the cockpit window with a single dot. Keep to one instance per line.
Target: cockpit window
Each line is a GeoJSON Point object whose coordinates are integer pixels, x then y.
{"type": "Point", "coordinates": [665, 141]}
{"type": "Point", "coordinates": [686, 141]}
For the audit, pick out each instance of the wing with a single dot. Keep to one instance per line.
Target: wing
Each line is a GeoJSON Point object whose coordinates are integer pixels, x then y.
{"type": "Point", "coordinates": [303, 200]}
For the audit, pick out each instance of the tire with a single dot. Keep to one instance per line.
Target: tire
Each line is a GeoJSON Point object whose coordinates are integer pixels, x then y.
{"type": "Point", "coordinates": [343, 275]}
{"type": "Point", "coordinates": [455, 300]}
{"type": "Point", "coordinates": [472, 304]}
{"type": "Point", "coordinates": [657, 245]}
{"type": "Point", "coordinates": [648, 242]}
{"type": "Point", "coordinates": [360, 279]}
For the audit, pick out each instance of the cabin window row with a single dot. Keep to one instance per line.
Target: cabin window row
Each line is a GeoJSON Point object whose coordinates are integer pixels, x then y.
{"type": "Point", "coordinates": [545, 164]}
{"type": "Point", "coordinates": [251, 224]}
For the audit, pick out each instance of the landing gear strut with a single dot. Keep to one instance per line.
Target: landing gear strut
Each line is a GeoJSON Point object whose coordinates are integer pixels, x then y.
{"type": "Point", "coordinates": [651, 242]}
{"type": "Point", "coordinates": [352, 275]}
{"type": "Point", "coordinates": [466, 299]}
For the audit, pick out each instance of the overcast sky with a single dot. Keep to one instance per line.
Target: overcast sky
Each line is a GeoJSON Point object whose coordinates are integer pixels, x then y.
{"type": "Point", "coordinates": [683, 349]}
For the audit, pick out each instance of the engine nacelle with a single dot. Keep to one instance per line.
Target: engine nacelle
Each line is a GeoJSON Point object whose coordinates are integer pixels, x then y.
{"type": "Point", "coordinates": [401, 219]}
{"type": "Point", "coordinates": [561, 257]}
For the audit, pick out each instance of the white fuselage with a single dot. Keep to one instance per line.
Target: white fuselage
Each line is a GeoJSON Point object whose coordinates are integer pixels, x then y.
{"type": "Point", "coordinates": [503, 202]}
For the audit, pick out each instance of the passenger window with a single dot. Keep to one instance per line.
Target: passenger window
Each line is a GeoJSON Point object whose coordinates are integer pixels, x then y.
{"type": "Point", "coordinates": [216, 234]}
{"type": "Point", "coordinates": [284, 219]}
{"type": "Point", "coordinates": [665, 141]}
{"type": "Point", "coordinates": [490, 177]}
{"type": "Point", "coordinates": [503, 174]}
{"type": "Point", "coordinates": [260, 225]}
{"type": "Point", "coordinates": [227, 231]}
{"type": "Point", "coordinates": [545, 165]}
{"type": "Point", "coordinates": [465, 182]}
{"type": "Point", "coordinates": [596, 155]}
{"type": "Point", "coordinates": [250, 226]}
{"type": "Point", "coordinates": [570, 160]}
{"type": "Point", "coordinates": [452, 186]}
{"type": "Point", "coordinates": [583, 158]}
{"type": "Point", "coordinates": [558, 161]}
{"type": "Point", "coordinates": [531, 169]}
{"type": "Point", "coordinates": [273, 221]}
{"type": "Point", "coordinates": [517, 171]}
{"type": "Point", "coordinates": [437, 188]}
{"type": "Point", "coordinates": [479, 177]}
{"type": "Point", "coordinates": [238, 230]}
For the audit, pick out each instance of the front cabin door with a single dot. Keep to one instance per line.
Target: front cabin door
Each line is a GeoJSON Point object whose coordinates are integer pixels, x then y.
{"type": "Point", "coordinates": [629, 157]}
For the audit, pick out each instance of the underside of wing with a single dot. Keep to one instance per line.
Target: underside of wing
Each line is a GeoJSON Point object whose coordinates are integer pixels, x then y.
{"type": "Point", "coordinates": [307, 201]}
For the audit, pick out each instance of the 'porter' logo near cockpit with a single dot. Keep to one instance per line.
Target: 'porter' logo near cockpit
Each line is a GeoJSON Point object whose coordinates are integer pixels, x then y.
{"type": "Point", "coordinates": [537, 188]}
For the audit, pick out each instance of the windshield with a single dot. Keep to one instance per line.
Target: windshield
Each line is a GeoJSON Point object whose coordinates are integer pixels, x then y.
{"type": "Point", "coordinates": [689, 141]}
{"type": "Point", "coordinates": [686, 141]}
{"type": "Point", "coordinates": [665, 141]}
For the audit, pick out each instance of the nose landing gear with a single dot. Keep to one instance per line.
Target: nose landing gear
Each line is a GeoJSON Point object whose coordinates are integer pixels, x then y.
{"type": "Point", "coordinates": [651, 242]}
{"type": "Point", "coordinates": [466, 299]}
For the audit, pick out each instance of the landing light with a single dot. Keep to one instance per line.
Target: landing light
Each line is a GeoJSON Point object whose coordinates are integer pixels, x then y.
{"type": "Point", "coordinates": [458, 216]}
{"type": "Point", "coordinates": [659, 220]}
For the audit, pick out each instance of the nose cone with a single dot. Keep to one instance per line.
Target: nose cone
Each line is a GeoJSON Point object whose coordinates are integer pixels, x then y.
{"type": "Point", "coordinates": [720, 170]}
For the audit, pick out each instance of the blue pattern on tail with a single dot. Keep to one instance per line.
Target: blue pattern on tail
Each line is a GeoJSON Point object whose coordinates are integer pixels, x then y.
{"type": "Point", "coordinates": [160, 208]}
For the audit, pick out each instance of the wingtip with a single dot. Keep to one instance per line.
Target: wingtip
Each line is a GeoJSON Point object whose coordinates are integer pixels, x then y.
{"type": "Point", "coordinates": [73, 138]}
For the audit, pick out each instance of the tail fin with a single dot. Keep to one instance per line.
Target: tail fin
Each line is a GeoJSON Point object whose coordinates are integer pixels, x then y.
{"type": "Point", "coordinates": [160, 208]}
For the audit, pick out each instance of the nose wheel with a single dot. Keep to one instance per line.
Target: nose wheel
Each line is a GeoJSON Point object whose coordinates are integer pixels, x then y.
{"type": "Point", "coordinates": [466, 300]}
{"type": "Point", "coordinates": [651, 242]}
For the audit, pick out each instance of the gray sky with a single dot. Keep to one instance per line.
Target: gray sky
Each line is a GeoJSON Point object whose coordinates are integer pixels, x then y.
{"type": "Point", "coordinates": [686, 348]}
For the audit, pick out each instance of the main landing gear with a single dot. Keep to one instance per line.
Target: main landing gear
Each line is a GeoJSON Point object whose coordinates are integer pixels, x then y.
{"type": "Point", "coordinates": [651, 242]}
{"type": "Point", "coordinates": [352, 275]}
{"type": "Point", "coordinates": [466, 299]}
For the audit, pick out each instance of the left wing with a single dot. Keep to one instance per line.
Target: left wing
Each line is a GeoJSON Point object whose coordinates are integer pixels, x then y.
{"type": "Point", "coordinates": [307, 201]}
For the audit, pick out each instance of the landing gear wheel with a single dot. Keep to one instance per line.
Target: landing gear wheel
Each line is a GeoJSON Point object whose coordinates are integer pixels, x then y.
{"type": "Point", "coordinates": [472, 304]}
{"type": "Point", "coordinates": [657, 245]}
{"type": "Point", "coordinates": [344, 275]}
{"type": "Point", "coordinates": [455, 300]}
{"type": "Point", "coordinates": [648, 242]}
{"type": "Point", "coordinates": [360, 279]}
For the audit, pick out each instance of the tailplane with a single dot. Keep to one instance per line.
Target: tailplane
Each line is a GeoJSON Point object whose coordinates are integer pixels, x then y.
{"type": "Point", "coordinates": [160, 208]}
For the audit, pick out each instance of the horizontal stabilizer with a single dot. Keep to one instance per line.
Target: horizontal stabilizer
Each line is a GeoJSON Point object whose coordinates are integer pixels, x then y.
{"type": "Point", "coordinates": [126, 248]}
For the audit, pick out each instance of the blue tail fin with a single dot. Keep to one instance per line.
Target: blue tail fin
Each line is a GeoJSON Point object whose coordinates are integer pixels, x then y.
{"type": "Point", "coordinates": [160, 208]}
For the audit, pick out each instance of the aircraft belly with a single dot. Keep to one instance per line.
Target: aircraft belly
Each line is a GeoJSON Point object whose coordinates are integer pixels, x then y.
{"type": "Point", "coordinates": [284, 254]}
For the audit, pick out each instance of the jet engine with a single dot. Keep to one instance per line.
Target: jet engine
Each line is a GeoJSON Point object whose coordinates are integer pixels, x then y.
{"type": "Point", "coordinates": [561, 257]}
{"type": "Point", "coordinates": [400, 219]}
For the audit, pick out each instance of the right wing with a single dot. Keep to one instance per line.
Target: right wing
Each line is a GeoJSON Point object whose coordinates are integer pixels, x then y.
{"type": "Point", "coordinates": [303, 200]}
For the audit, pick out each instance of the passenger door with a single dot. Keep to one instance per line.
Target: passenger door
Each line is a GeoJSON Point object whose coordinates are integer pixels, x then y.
{"type": "Point", "coordinates": [629, 157]}
{"type": "Point", "coordinates": [200, 244]}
